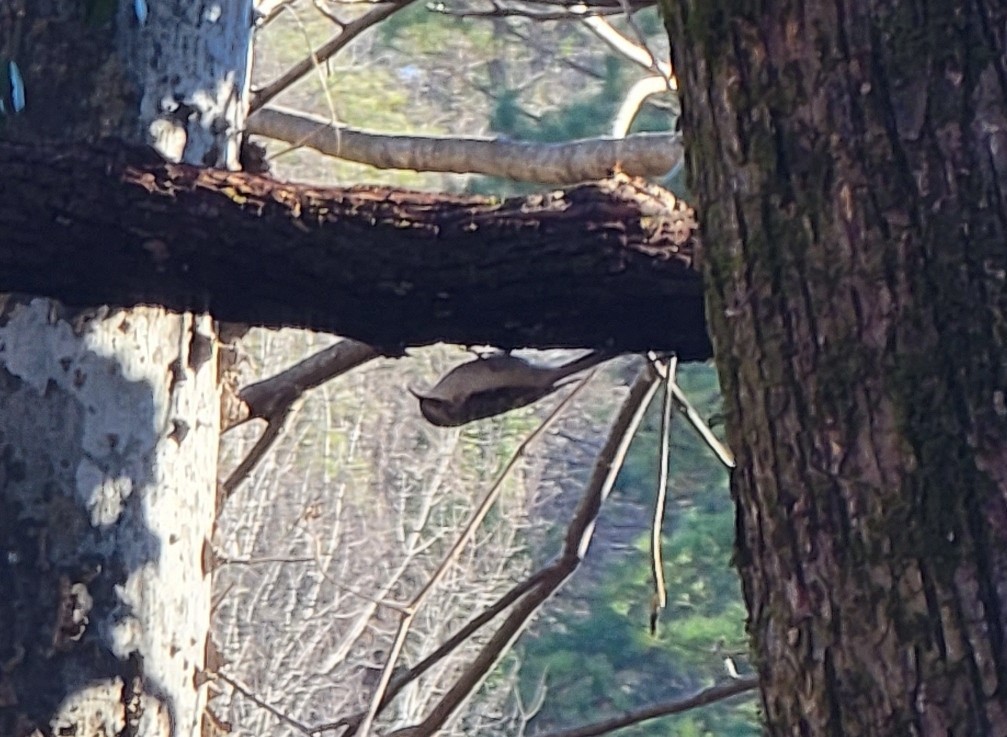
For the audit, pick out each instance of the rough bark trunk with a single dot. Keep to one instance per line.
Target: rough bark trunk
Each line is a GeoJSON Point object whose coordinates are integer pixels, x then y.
{"type": "Point", "coordinates": [850, 162]}
{"type": "Point", "coordinates": [109, 421]}
{"type": "Point", "coordinates": [605, 265]}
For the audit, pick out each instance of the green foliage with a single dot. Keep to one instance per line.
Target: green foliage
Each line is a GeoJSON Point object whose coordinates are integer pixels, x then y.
{"type": "Point", "coordinates": [597, 652]}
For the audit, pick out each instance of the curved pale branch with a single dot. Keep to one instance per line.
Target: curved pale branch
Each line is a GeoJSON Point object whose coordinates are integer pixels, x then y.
{"type": "Point", "coordinates": [634, 99]}
{"type": "Point", "coordinates": [643, 154]}
{"type": "Point", "coordinates": [630, 49]}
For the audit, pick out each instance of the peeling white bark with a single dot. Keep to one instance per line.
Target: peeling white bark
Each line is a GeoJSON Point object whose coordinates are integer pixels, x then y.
{"type": "Point", "coordinates": [192, 61]}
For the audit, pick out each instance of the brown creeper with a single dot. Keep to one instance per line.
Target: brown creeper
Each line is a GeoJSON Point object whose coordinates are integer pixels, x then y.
{"type": "Point", "coordinates": [493, 385]}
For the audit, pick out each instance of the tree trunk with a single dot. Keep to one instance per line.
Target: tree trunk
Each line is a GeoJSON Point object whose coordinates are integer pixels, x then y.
{"type": "Point", "coordinates": [850, 162]}
{"type": "Point", "coordinates": [109, 420]}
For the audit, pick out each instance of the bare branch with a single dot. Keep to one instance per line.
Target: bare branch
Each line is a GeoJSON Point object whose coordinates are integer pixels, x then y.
{"type": "Point", "coordinates": [723, 453]}
{"type": "Point", "coordinates": [633, 101]}
{"type": "Point", "coordinates": [610, 460]}
{"type": "Point", "coordinates": [327, 50]}
{"type": "Point", "coordinates": [633, 51]}
{"type": "Point", "coordinates": [248, 694]}
{"type": "Point", "coordinates": [268, 10]}
{"type": "Point", "coordinates": [575, 12]}
{"type": "Point", "coordinates": [643, 154]}
{"type": "Point", "coordinates": [317, 64]}
{"type": "Point", "coordinates": [271, 397]}
{"type": "Point", "coordinates": [578, 538]}
{"type": "Point", "coordinates": [398, 682]}
{"type": "Point", "coordinates": [467, 534]}
{"type": "Point", "coordinates": [275, 399]}
{"type": "Point", "coordinates": [320, 7]}
{"type": "Point", "coordinates": [656, 559]}
{"type": "Point", "coordinates": [274, 428]}
{"type": "Point", "coordinates": [704, 698]}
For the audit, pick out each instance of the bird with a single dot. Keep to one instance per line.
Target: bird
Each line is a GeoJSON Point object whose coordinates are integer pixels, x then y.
{"type": "Point", "coordinates": [493, 385]}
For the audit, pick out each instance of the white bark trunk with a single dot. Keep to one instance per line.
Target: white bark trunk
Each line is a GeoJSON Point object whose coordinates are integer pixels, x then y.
{"type": "Point", "coordinates": [109, 423]}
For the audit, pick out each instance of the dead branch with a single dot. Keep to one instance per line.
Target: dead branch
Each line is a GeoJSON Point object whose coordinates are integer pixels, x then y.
{"type": "Point", "coordinates": [633, 101]}
{"type": "Point", "coordinates": [578, 538]}
{"type": "Point", "coordinates": [576, 12]}
{"type": "Point", "coordinates": [635, 52]}
{"type": "Point", "coordinates": [463, 540]}
{"type": "Point", "coordinates": [275, 399]}
{"type": "Point", "coordinates": [643, 154]}
{"type": "Point", "coordinates": [707, 696]}
{"type": "Point", "coordinates": [330, 48]}
{"type": "Point", "coordinates": [250, 695]}
{"type": "Point", "coordinates": [660, 598]}
{"type": "Point", "coordinates": [274, 428]}
{"type": "Point", "coordinates": [270, 398]}
{"type": "Point", "coordinates": [723, 453]}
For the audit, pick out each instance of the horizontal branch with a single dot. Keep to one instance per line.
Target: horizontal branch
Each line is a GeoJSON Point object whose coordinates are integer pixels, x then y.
{"type": "Point", "coordinates": [599, 265]}
{"type": "Point", "coordinates": [642, 154]}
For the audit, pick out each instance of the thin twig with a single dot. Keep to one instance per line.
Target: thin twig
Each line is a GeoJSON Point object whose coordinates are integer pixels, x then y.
{"type": "Point", "coordinates": [660, 598]}
{"type": "Point", "coordinates": [317, 64]}
{"type": "Point", "coordinates": [576, 12]}
{"type": "Point", "coordinates": [723, 453]}
{"type": "Point", "coordinates": [631, 22]}
{"type": "Point", "coordinates": [463, 540]}
{"type": "Point", "coordinates": [446, 648]}
{"type": "Point", "coordinates": [247, 693]}
{"type": "Point", "coordinates": [320, 7]}
{"type": "Point", "coordinates": [634, 52]}
{"type": "Point", "coordinates": [271, 13]}
{"type": "Point", "coordinates": [580, 531]}
{"type": "Point", "coordinates": [473, 625]}
{"type": "Point", "coordinates": [330, 48]}
{"type": "Point", "coordinates": [610, 460]}
{"type": "Point", "coordinates": [704, 698]}
{"type": "Point", "coordinates": [274, 428]}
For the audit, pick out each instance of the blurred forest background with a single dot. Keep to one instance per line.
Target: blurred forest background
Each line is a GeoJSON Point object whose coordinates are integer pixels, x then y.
{"type": "Point", "coordinates": [357, 504]}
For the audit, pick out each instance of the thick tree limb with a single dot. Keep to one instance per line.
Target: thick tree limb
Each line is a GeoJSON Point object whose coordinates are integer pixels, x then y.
{"type": "Point", "coordinates": [599, 265]}
{"type": "Point", "coordinates": [643, 154]}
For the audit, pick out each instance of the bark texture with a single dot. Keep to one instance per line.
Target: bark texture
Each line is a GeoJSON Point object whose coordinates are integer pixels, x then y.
{"type": "Point", "coordinates": [850, 161]}
{"type": "Point", "coordinates": [607, 265]}
{"type": "Point", "coordinates": [109, 452]}
{"type": "Point", "coordinates": [109, 419]}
